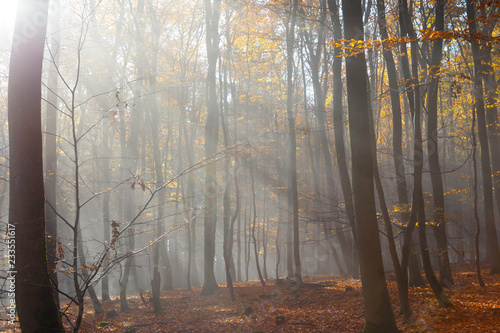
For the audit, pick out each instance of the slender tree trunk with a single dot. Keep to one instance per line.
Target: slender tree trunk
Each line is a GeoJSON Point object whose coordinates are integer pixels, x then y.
{"type": "Point", "coordinates": [492, 125]}
{"type": "Point", "coordinates": [105, 208]}
{"type": "Point", "coordinates": [51, 152]}
{"type": "Point", "coordinates": [292, 146]}
{"type": "Point", "coordinates": [397, 130]}
{"type": "Point", "coordinates": [85, 276]}
{"type": "Point", "coordinates": [227, 250]}
{"type": "Point", "coordinates": [238, 251]}
{"type": "Point", "coordinates": [129, 149]}
{"type": "Point", "coordinates": [35, 302]}
{"type": "Point", "coordinates": [445, 276]}
{"type": "Point", "coordinates": [156, 280]}
{"type": "Point", "coordinates": [338, 126]}
{"type": "Point", "coordinates": [226, 246]}
{"type": "Point", "coordinates": [256, 252]}
{"type": "Point", "coordinates": [413, 264]}
{"type": "Point", "coordinates": [314, 161]}
{"type": "Point", "coordinates": [289, 232]}
{"type": "Point", "coordinates": [418, 210]}
{"type": "Point", "coordinates": [265, 234]}
{"type": "Point", "coordinates": [277, 245]}
{"type": "Point", "coordinates": [192, 275]}
{"type": "Point", "coordinates": [475, 194]}
{"type": "Point", "coordinates": [323, 139]}
{"type": "Point", "coordinates": [492, 248]}
{"type": "Point", "coordinates": [212, 10]}
{"type": "Point", "coordinates": [246, 256]}
{"type": "Point", "coordinates": [401, 278]}
{"type": "Point", "coordinates": [378, 310]}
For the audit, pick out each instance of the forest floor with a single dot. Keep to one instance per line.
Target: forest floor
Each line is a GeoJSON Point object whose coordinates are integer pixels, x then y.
{"type": "Point", "coordinates": [323, 304]}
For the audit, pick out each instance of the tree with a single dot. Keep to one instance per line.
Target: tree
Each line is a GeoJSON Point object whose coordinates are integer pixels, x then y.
{"type": "Point", "coordinates": [492, 248]}
{"type": "Point", "coordinates": [212, 11]}
{"type": "Point", "coordinates": [338, 126]}
{"type": "Point", "coordinates": [378, 311]}
{"type": "Point", "coordinates": [445, 275]}
{"type": "Point", "coordinates": [35, 301]}
{"type": "Point", "coordinates": [51, 152]}
{"type": "Point", "coordinates": [292, 144]}
{"type": "Point", "coordinates": [418, 209]}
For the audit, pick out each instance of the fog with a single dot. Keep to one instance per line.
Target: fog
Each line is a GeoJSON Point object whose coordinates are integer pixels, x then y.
{"type": "Point", "coordinates": [129, 116]}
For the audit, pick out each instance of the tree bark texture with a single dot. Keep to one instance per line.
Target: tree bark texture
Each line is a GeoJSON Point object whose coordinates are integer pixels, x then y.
{"type": "Point", "coordinates": [378, 310]}
{"type": "Point", "coordinates": [36, 305]}
{"type": "Point", "coordinates": [212, 10]}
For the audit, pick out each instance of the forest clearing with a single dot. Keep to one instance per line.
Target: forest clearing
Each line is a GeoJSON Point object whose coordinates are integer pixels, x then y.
{"type": "Point", "coordinates": [323, 304]}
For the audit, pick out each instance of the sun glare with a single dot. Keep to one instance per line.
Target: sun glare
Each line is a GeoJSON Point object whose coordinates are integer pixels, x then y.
{"type": "Point", "coordinates": [8, 13]}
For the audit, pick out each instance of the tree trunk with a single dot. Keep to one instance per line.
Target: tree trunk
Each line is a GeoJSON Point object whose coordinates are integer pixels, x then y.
{"type": "Point", "coordinates": [105, 209]}
{"type": "Point", "coordinates": [86, 278]}
{"type": "Point", "coordinates": [378, 310]}
{"type": "Point", "coordinates": [292, 144]}
{"type": "Point", "coordinates": [34, 295]}
{"type": "Point", "coordinates": [51, 152]}
{"type": "Point", "coordinates": [492, 248]}
{"type": "Point", "coordinates": [211, 139]}
{"type": "Point", "coordinates": [192, 274]}
{"type": "Point", "coordinates": [401, 278]}
{"type": "Point", "coordinates": [445, 276]}
{"type": "Point", "coordinates": [492, 125]}
{"type": "Point", "coordinates": [246, 242]}
{"type": "Point", "coordinates": [338, 126]}
{"type": "Point", "coordinates": [418, 209]}
{"type": "Point", "coordinates": [256, 252]}
{"type": "Point", "coordinates": [474, 191]}
{"type": "Point", "coordinates": [228, 221]}
{"type": "Point", "coordinates": [129, 149]}
{"type": "Point", "coordinates": [413, 263]}
{"type": "Point", "coordinates": [265, 235]}
{"type": "Point", "coordinates": [320, 111]}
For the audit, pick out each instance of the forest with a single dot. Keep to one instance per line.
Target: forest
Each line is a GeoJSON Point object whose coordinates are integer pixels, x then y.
{"type": "Point", "coordinates": [249, 165]}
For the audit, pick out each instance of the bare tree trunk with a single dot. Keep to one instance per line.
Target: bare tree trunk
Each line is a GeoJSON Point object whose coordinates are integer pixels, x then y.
{"type": "Point", "coordinates": [338, 125]}
{"type": "Point", "coordinates": [290, 41]}
{"type": "Point", "coordinates": [105, 208]}
{"type": "Point", "coordinates": [445, 276]}
{"type": "Point", "coordinates": [413, 264]}
{"type": "Point", "coordinates": [238, 251]}
{"type": "Point", "coordinates": [256, 252]}
{"type": "Point", "coordinates": [212, 11]}
{"type": "Point", "coordinates": [192, 275]}
{"type": "Point", "coordinates": [85, 276]}
{"type": "Point", "coordinates": [277, 245]}
{"type": "Point", "coordinates": [492, 124]}
{"type": "Point", "coordinates": [265, 232]}
{"type": "Point", "coordinates": [492, 248]}
{"type": "Point", "coordinates": [129, 148]}
{"type": "Point", "coordinates": [418, 210]}
{"type": "Point", "coordinates": [228, 221]}
{"type": "Point", "coordinates": [35, 302]}
{"type": "Point", "coordinates": [245, 237]}
{"type": "Point", "coordinates": [475, 182]}
{"type": "Point", "coordinates": [51, 152]}
{"type": "Point", "coordinates": [378, 310]}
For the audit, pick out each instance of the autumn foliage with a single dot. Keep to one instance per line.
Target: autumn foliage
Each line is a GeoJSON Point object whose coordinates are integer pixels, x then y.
{"type": "Point", "coordinates": [322, 304]}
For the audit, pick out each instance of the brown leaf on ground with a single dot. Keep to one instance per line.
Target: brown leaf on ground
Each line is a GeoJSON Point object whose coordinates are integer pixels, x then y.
{"type": "Point", "coordinates": [322, 304]}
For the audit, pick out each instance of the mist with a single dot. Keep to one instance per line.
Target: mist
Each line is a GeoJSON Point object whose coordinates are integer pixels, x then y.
{"type": "Point", "coordinates": [196, 146]}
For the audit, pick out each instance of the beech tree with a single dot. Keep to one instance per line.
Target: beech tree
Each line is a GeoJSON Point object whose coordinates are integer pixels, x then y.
{"type": "Point", "coordinates": [147, 89]}
{"type": "Point", "coordinates": [212, 11]}
{"type": "Point", "coordinates": [378, 311]}
{"type": "Point", "coordinates": [36, 305]}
